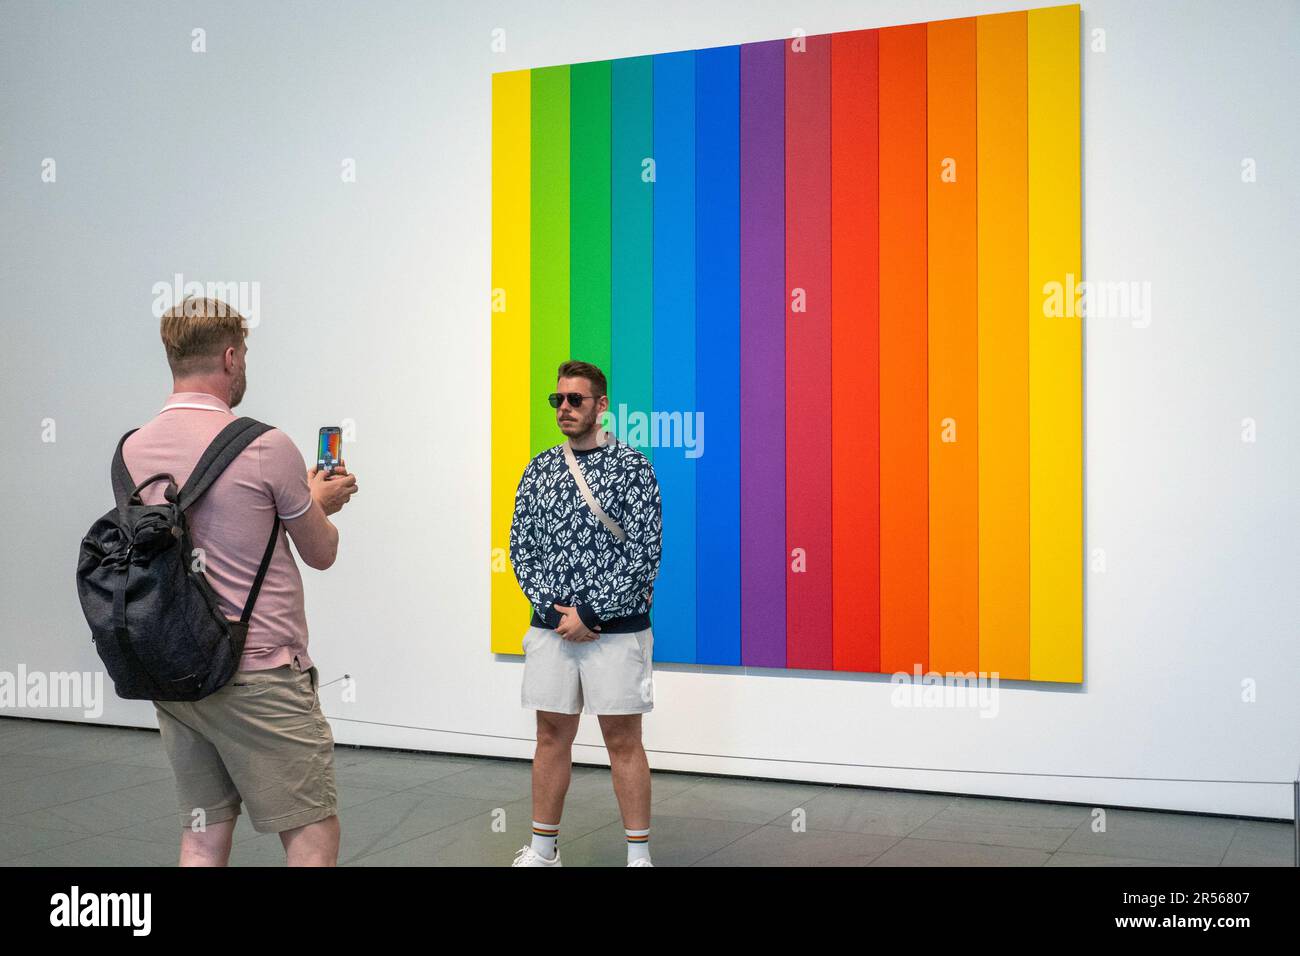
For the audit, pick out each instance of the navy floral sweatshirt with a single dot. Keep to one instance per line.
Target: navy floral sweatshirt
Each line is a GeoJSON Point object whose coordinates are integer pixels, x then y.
{"type": "Point", "coordinates": [563, 554]}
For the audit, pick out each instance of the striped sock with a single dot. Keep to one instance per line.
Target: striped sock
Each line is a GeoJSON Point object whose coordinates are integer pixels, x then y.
{"type": "Point", "coordinates": [544, 837]}
{"type": "Point", "coordinates": [638, 844]}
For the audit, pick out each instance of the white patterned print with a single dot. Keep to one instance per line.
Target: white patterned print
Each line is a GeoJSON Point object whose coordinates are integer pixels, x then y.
{"type": "Point", "coordinates": [560, 550]}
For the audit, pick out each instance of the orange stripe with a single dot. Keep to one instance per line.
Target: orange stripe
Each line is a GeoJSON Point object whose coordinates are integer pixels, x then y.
{"type": "Point", "coordinates": [1003, 347]}
{"type": "Point", "coordinates": [953, 413]}
{"type": "Point", "coordinates": [904, 499]}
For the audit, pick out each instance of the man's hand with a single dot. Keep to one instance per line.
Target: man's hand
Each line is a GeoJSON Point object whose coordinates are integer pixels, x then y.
{"type": "Point", "coordinates": [571, 627]}
{"type": "Point", "coordinates": [334, 490]}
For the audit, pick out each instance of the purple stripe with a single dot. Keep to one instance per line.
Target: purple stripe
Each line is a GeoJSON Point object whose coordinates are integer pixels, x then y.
{"type": "Point", "coordinates": [762, 362]}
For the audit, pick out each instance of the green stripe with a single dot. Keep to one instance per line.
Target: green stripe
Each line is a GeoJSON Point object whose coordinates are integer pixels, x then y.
{"type": "Point", "coordinates": [589, 266]}
{"type": "Point", "coordinates": [549, 245]}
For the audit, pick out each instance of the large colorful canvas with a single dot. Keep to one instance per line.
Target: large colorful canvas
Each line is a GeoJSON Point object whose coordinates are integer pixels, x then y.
{"type": "Point", "coordinates": [854, 256]}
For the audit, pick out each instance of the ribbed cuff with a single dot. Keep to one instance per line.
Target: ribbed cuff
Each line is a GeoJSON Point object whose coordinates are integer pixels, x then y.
{"type": "Point", "coordinates": [551, 616]}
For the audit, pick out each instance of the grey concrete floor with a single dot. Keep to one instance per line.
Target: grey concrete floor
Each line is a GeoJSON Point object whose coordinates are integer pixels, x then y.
{"type": "Point", "coordinates": [81, 795]}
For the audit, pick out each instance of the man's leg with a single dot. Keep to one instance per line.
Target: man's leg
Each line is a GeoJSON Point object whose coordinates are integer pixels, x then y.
{"type": "Point", "coordinates": [631, 773]}
{"type": "Point", "coordinates": [552, 688]}
{"type": "Point", "coordinates": [204, 789]}
{"type": "Point", "coordinates": [207, 847]}
{"type": "Point", "coordinates": [315, 844]}
{"type": "Point", "coordinates": [278, 748]}
{"type": "Point", "coordinates": [629, 767]}
{"type": "Point", "coordinates": [552, 764]}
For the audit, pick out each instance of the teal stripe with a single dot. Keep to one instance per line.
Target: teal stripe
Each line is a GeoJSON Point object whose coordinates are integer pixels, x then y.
{"type": "Point", "coordinates": [631, 263]}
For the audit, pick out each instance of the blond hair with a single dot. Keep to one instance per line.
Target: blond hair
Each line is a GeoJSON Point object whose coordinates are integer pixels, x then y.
{"type": "Point", "coordinates": [197, 332]}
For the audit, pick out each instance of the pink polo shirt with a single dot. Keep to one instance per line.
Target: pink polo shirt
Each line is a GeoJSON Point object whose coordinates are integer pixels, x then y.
{"type": "Point", "coordinates": [232, 521]}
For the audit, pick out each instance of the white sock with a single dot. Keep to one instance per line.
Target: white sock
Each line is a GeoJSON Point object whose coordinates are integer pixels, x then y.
{"type": "Point", "coordinates": [545, 836]}
{"type": "Point", "coordinates": [638, 844]}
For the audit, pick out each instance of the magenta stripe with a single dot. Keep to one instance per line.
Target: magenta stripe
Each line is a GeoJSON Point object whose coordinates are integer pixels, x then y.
{"type": "Point", "coordinates": [762, 362]}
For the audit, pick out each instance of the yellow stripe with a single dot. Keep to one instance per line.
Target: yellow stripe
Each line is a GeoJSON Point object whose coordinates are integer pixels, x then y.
{"type": "Point", "coordinates": [511, 93]}
{"type": "Point", "coordinates": [1055, 356]}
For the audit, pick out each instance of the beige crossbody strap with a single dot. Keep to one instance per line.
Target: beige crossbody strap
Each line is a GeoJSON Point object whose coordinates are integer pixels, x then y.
{"type": "Point", "coordinates": [587, 496]}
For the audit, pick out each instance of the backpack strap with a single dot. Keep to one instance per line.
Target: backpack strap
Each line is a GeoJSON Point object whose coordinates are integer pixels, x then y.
{"type": "Point", "coordinates": [267, 555]}
{"type": "Point", "coordinates": [123, 486]}
{"type": "Point", "coordinates": [224, 449]}
{"type": "Point", "coordinates": [123, 634]}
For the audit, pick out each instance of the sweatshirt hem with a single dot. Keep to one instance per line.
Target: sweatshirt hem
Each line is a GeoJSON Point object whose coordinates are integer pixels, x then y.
{"type": "Point", "coordinates": [614, 625]}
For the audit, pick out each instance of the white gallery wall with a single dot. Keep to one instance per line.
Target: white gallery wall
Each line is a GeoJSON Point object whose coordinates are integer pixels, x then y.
{"type": "Point", "coordinates": [226, 166]}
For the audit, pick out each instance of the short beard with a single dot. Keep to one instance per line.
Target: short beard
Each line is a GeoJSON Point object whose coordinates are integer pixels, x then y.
{"type": "Point", "coordinates": [596, 429]}
{"type": "Point", "coordinates": [237, 387]}
{"type": "Point", "coordinates": [587, 426]}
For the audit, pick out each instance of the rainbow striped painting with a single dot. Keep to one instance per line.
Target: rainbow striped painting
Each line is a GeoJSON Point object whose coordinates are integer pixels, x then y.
{"type": "Point", "coordinates": [847, 254]}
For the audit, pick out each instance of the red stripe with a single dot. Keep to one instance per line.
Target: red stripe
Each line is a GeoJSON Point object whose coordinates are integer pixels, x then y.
{"type": "Point", "coordinates": [855, 351]}
{"type": "Point", "coordinates": [808, 352]}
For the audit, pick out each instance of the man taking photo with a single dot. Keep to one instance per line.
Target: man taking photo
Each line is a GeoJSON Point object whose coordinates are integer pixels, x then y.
{"type": "Point", "coordinates": [261, 740]}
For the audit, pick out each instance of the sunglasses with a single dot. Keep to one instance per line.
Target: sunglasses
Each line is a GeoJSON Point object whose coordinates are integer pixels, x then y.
{"type": "Point", "coordinates": [575, 399]}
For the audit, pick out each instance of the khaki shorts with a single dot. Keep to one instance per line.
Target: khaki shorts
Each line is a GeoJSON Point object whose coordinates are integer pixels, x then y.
{"type": "Point", "coordinates": [263, 739]}
{"type": "Point", "coordinates": [610, 675]}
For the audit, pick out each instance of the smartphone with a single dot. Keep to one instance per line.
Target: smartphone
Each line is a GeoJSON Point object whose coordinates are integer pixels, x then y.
{"type": "Point", "coordinates": [329, 448]}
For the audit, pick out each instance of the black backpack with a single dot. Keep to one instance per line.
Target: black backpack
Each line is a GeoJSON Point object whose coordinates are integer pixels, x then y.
{"type": "Point", "coordinates": [154, 617]}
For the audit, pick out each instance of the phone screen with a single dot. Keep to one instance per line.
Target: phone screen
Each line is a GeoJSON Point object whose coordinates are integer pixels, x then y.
{"type": "Point", "coordinates": [328, 448]}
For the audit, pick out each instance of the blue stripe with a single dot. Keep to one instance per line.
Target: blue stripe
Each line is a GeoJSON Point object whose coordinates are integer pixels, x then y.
{"type": "Point", "coordinates": [674, 350]}
{"type": "Point", "coordinates": [717, 345]}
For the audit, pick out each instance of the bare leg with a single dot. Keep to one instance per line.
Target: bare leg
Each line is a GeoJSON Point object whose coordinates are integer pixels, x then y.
{"type": "Point", "coordinates": [629, 768]}
{"type": "Point", "coordinates": [315, 844]}
{"type": "Point", "coordinates": [208, 847]}
{"type": "Point", "coordinates": [552, 764]}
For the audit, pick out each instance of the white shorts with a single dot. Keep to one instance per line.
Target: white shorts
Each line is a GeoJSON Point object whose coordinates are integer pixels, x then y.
{"type": "Point", "coordinates": [610, 675]}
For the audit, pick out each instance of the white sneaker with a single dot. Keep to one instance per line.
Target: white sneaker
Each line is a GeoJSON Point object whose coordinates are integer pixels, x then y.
{"type": "Point", "coordinates": [641, 862]}
{"type": "Point", "coordinates": [527, 856]}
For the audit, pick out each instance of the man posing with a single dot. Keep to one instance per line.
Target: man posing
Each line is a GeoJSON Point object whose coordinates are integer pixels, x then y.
{"type": "Point", "coordinates": [589, 644]}
{"type": "Point", "coordinates": [262, 738]}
